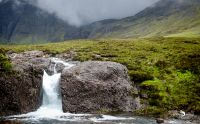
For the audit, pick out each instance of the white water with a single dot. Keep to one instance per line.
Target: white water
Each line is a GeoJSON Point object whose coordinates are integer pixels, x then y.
{"type": "Point", "coordinates": [51, 103]}
{"type": "Point", "coordinates": [51, 108]}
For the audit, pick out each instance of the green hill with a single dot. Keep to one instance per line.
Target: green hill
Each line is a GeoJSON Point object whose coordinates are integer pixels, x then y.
{"type": "Point", "coordinates": [171, 18]}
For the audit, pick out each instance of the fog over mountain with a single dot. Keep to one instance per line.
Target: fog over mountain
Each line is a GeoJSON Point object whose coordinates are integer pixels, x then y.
{"type": "Point", "coordinates": [79, 12]}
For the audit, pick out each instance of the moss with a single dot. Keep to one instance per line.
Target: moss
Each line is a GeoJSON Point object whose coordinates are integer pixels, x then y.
{"type": "Point", "coordinates": [162, 64]}
{"type": "Point", "coordinates": [152, 111]}
{"type": "Point", "coordinates": [190, 61]}
{"type": "Point", "coordinates": [5, 64]}
{"type": "Point", "coordinates": [179, 93]}
{"type": "Point", "coordinates": [140, 76]}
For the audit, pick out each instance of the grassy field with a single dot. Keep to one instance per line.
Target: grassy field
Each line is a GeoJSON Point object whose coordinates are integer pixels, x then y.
{"type": "Point", "coordinates": [166, 69]}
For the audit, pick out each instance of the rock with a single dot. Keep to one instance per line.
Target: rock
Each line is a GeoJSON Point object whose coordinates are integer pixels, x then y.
{"type": "Point", "coordinates": [20, 91]}
{"type": "Point", "coordinates": [96, 56]}
{"type": "Point", "coordinates": [88, 87]}
{"type": "Point", "coordinates": [97, 86]}
{"type": "Point", "coordinates": [187, 117]}
{"type": "Point", "coordinates": [174, 114]}
{"type": "Point", "coordinates": [10, 52]}
{"type": "Point", "coordinates": [160, 120]}
{"type": "Point", "coordinates": [144, 96]}
{"type": "Point", "coordinates": [67, 56]}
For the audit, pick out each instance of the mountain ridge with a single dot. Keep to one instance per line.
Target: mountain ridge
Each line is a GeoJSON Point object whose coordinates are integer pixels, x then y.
{"type": "Point", "coordinates": [182, 16]}
{"type": "Point", "coordinates": [25, 23]}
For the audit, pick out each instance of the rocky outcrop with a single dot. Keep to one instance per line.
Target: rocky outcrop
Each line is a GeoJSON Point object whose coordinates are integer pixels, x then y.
{"type": "Point", "coordinates": [87, 87]}
{"type": "Point", "coordinates": [97, 87]}
{"type": "Point", "coordinates": [20, 91]}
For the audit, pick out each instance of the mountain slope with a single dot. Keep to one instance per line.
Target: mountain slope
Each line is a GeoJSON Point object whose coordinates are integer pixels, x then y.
{"type": "Point", "coordinates": [24, 23]}
{"type": "Point", "coordinates": [165, 18]}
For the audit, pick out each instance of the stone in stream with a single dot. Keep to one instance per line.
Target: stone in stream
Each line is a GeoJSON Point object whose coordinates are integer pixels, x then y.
{"type": "Point", "coordinates": [94, 87]}
{"type": "Point", "coordinates": [160, 120]}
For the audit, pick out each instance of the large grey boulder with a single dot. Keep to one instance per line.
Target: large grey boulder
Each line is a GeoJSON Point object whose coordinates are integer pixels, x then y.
{"type": "Point", "coordinates": [97, 87]}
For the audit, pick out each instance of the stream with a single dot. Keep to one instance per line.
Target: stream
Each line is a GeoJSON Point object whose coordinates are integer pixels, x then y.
{"type": "Point", "coordinates": [50, 112]}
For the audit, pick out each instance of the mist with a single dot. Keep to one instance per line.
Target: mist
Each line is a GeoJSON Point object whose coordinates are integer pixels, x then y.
{"type": "Point", "coordinates": [80, 12]}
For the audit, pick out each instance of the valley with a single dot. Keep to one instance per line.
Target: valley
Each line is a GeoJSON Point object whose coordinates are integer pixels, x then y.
{"type": "Point", "coordinates": [145, 67]}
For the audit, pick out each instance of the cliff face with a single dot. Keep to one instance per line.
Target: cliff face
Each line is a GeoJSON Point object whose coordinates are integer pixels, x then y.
{"type": "Point", "coordinates": [25, 23]}
{"type": "Point", "coordinates": [19, 93]}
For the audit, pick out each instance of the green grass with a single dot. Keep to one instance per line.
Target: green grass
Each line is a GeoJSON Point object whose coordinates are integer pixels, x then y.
{"type": "Point", "coordinates": [5, 64]}
{"type": "Point", "coordinates": [166, 69]}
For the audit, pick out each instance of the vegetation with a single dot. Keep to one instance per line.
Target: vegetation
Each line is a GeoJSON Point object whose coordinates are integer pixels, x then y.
{"type": "Point", "coordinates": [166, 69]}
{"type": "Point", "coordinates": [5, 64]}
{"type": "Point", "coordinates": [179, 20]}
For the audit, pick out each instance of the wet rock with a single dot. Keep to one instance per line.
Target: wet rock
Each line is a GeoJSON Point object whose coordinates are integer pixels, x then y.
{"type": "Point", "coordinates": [160, 120]}
{"type": "Point", "coordinates": [96, 87]}
{"type": "Point", "coordinates": [186, 117]}
{"type": "Point", "coordinates": [20, 91]}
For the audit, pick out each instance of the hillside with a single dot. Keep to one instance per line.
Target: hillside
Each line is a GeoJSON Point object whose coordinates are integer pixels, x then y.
{"type": "Point", "coordinates": [24, 23]}
{"type": "Point", "coordinates": [165, 18]}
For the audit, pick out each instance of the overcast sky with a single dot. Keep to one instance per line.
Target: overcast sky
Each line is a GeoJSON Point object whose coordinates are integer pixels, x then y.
{"type": "Point", "coordinates": [79, 12]}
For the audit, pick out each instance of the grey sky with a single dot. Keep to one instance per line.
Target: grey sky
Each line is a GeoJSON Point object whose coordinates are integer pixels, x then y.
{"type": "Point", "coordinates": [78, 12]}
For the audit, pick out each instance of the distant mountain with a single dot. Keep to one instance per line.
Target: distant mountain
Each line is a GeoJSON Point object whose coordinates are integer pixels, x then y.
{"type": "Point", "coordinates": [25, 23]}
{"type": "Point", "coordinates": [180, 18]}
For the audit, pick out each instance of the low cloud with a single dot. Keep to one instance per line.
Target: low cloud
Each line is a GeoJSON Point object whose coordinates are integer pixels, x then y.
{"type": "Point", "coordinates": [80, 12]}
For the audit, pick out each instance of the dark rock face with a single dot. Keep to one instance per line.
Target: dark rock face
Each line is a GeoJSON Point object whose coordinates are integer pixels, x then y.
{"type": "Point", "coordinates": [23, 22]}
{"type": "Point", "coordinates": [19, 93]}
{"type": "Point", "coordinates": [96, 87]}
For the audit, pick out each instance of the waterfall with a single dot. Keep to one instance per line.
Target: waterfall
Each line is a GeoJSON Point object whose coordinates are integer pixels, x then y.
{"type": "Point", "coordinates": [51, 100]}
{"type": "Point", "coordinates": [51, 109]}
{"type": "Point", "coordinates": [51, 92]}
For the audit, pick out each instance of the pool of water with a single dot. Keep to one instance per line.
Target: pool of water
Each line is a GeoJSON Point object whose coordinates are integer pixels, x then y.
{"type": "Point", "coordinates": [68, 118]}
